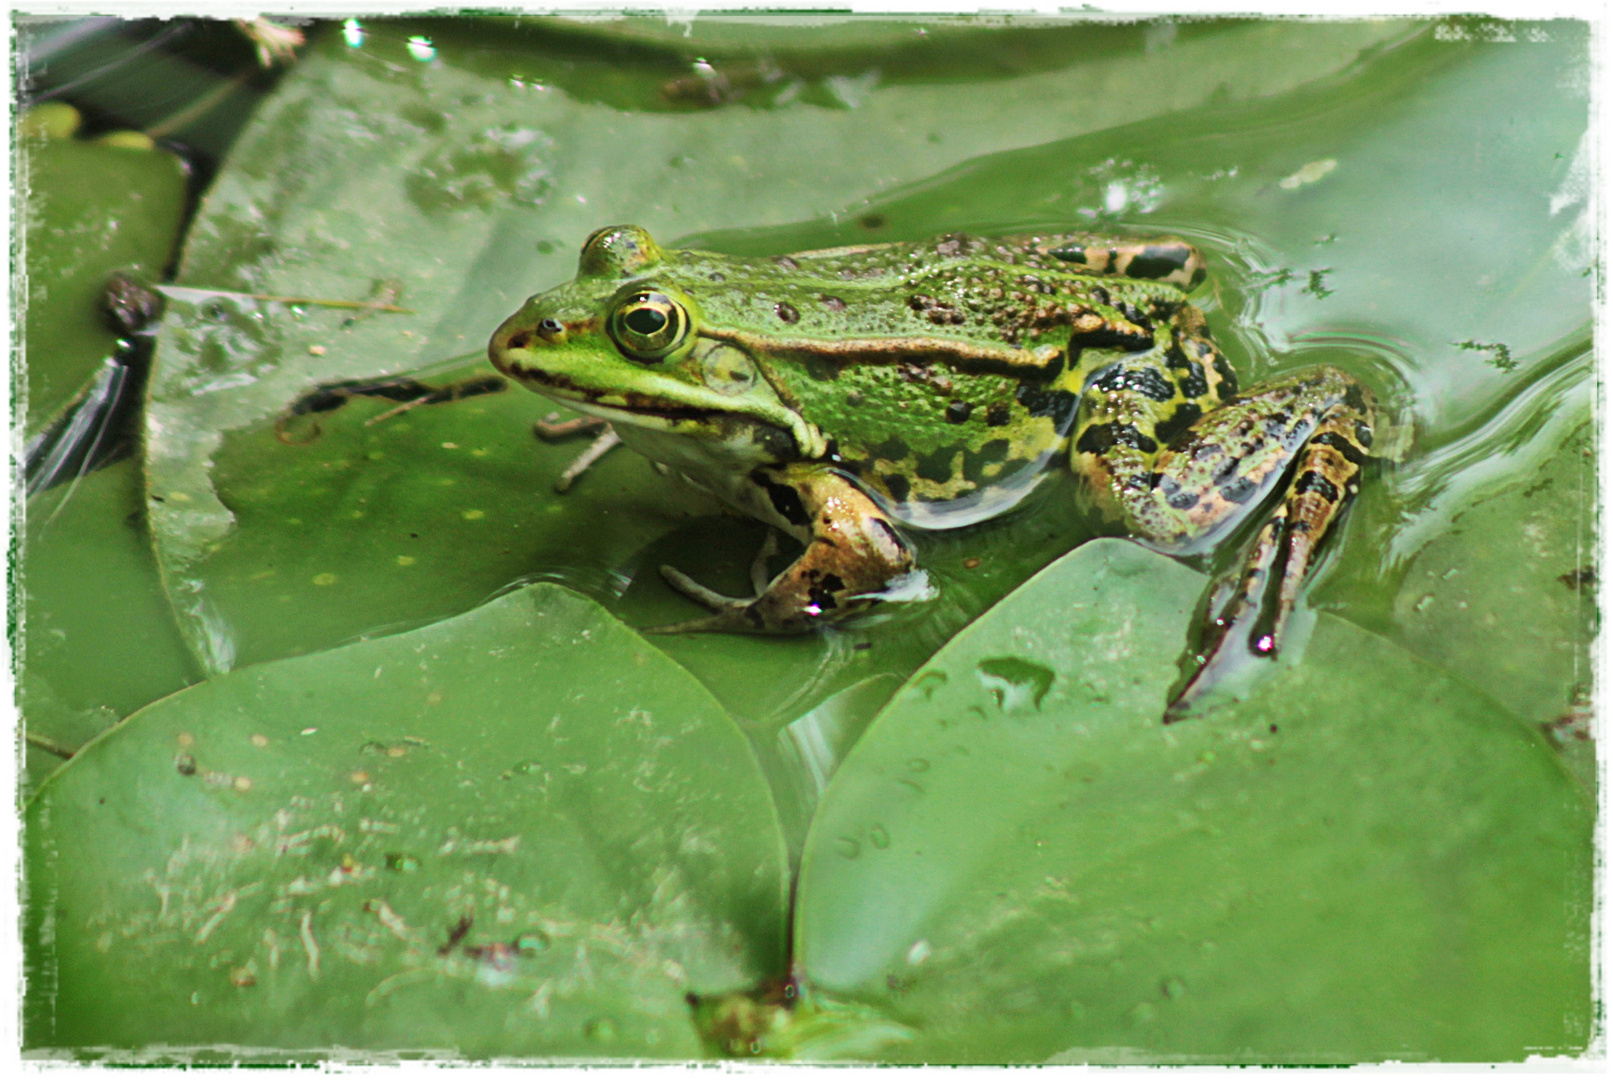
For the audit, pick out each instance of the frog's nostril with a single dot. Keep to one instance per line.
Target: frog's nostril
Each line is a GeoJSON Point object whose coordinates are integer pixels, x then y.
{"type": "Point", "coordinates": [519, 340]}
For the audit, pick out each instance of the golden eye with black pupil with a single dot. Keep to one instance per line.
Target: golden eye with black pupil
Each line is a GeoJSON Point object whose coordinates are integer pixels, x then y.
{"type": "Point", "coordinates": [648, 327]}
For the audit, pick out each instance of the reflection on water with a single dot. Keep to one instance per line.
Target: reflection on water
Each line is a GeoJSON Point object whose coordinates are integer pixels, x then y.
{"type": "Point", "coordinates": [1508, 440]}
{"type": "Point", "coordinates": [803, 755]}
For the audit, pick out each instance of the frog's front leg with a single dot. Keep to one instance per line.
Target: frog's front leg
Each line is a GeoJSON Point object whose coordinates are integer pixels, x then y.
{"type": "Point", "coordinates": [853, 554]}
{"type": "Point", "coordinates": [1315, 427]}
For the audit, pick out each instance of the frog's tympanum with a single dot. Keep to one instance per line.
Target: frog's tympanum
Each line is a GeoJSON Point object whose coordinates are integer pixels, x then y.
{"type": "Point", "coordinates": [847, 396]}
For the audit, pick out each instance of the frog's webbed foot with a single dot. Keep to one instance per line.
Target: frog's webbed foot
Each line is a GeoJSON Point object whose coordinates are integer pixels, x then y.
{"type": "Point", "coordinates": [1180, 488]}
{"type": "Point", "coordinates": [1247, 614]}
{"type": "Point", "coordinates": [552, 429]}
{"type": "Point", "coordinates": [409, 393]}
{"type": "Point", "coordinates": [853, 554]}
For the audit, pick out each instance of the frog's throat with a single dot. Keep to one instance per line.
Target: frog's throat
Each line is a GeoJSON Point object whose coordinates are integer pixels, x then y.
{"type": "Point", "coordinates": [660, 413]}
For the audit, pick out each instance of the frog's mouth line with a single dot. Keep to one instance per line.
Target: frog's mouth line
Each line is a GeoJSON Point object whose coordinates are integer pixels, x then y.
{"type": "Point", "coordinates": [630, 402]}
{"type": "Point", "coordinates": [656, 414]}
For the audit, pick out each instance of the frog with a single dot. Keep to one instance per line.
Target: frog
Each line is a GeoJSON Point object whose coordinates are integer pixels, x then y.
{"type": "Point", "coordinates": [855, 398]}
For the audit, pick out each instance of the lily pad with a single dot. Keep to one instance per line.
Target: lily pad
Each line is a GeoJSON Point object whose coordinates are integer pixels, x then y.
{"type": "Point", "coordinates": [521, 832]}
{"type": "Point", "coordinates": [1364, 860]}
{"type": "Point", "coordinates": [100, 636]}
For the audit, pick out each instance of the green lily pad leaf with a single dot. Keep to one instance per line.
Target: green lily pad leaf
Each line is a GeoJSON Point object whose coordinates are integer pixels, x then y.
{"type": "Point", "coordinates": [92, 209]}
{"type": "Point", "coordinates": [1363, 860]}
{"type": "Point", "coordinates": [520, 832]}
{"type": "Point", "coordinates": [101, 640]}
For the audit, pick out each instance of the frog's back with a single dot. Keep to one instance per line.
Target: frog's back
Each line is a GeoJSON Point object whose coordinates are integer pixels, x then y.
{"type": "Point", "coordinates": [945, 374]}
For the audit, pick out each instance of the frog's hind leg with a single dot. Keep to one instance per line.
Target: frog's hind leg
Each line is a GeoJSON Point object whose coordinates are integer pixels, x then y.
{"type": "Point", "coordinates": [1263, 595]}
{"type": "Point", "coordinates": [1314, 427]}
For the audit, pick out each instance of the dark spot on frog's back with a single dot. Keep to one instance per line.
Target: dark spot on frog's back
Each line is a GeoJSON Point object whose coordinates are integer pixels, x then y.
{"type": "Point", "coordinates": [1058, 404]}
{"type": "Point", "coordinates": [1193, 383]}
{"type": "Point", "coordinates": [998, 413]}
{"type": "Point", "coordinates": [1146, 381]}
{"type": "Point", "coordinates": [1357, 398]}
{"type": "Point", "coordinates": [1229, 378]}
{"type": "Point", "coordinates": [833, 303]}
{"type": "Point", "coordinates": [1346, 449]}
{"type": "Point", "coordinates": [936, 465]}
{"type": "Point", "coordinates": [1114, 336]}
{"type": "Point", "coordinates": [1238, 489]}
{"type": "Point", "coordinates": [1186, 415]}
{"type": "Point", "coordinates": [991, 453]}
{"type": "Point", "coordinates": [1177, 497]}
{"type": "Point", "coordinates": [958, 412]}
{"type": "Point", "coordinates": [896, 484]}
{"type": "Point", "coordinates": [1162, 260]}
{"type": "Point", "coordinates": [1101, 438]}
{"type": "Point", "coordinates": [786, 312]}
{"type": "Point", "coordinates": [892, 449]}
{"type": "Point", "coordinates": [1314, 483]}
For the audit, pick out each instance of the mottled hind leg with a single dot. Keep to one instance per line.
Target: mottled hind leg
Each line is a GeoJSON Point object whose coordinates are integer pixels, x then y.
{"type": "Point", "coordinates": [1314, 426]}
{"type": "Point", "coordinates": [1325, 480]}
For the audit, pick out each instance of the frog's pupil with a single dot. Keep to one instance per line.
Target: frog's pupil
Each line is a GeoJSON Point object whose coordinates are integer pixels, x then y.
{"type": "Point", "coordinates": [645, 320]}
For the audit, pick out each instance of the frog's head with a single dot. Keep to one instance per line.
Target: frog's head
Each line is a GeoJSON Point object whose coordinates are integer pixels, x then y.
{"type": "Point", "coordinates": [623, 341]}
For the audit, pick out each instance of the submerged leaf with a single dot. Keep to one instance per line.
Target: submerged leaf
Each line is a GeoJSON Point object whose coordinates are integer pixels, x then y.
{"type": "Point", "coordinates": [1365, 860]}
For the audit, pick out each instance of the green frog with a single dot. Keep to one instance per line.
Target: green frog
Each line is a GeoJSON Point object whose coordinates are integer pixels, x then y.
{"type": "Point", "coordinates": [850, 396]}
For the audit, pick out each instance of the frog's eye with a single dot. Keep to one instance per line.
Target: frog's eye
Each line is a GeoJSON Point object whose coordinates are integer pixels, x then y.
{"type": "Point", "coordinates": [648, 326]}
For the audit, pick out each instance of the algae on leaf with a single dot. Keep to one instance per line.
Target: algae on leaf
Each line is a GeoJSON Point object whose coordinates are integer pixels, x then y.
{"type": "Point", "coordinates": [520, 832]}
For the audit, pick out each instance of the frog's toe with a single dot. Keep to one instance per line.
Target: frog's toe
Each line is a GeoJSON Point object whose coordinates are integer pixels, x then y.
{"type": "Point", "coordinates": [701, 595]}
{"type": "Point", "coordinates": [729, 615]}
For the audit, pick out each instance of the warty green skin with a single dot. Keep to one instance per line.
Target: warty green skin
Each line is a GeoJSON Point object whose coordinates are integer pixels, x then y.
{"type": "Point", "coordinates": [836, 394]}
